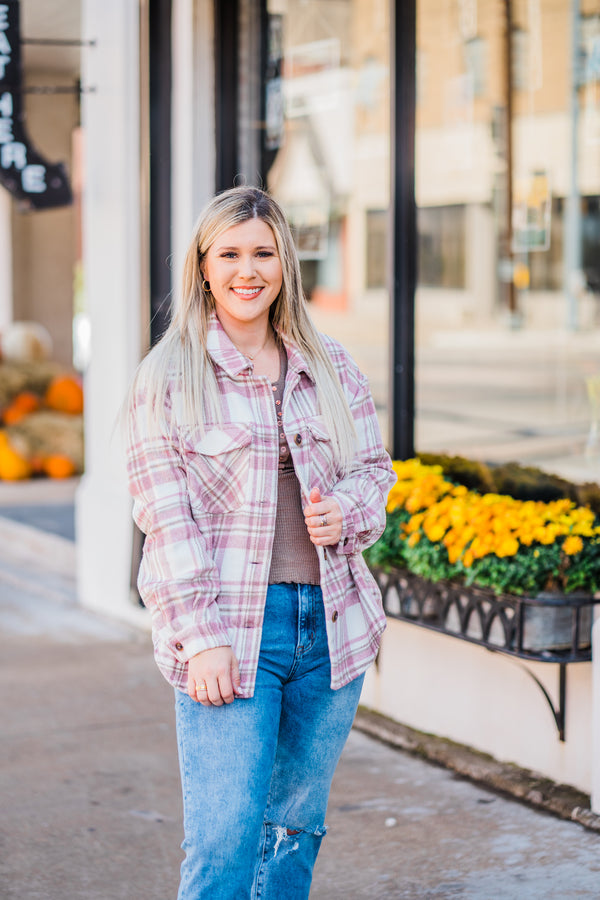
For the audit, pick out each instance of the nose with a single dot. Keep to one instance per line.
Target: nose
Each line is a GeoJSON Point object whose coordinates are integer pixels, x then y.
{"type": "Point", "coordinates": [246, 268]}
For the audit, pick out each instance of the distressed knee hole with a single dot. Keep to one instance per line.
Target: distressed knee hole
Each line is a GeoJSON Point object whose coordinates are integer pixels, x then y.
{"type": "Point", "coordinates": [285, 836]}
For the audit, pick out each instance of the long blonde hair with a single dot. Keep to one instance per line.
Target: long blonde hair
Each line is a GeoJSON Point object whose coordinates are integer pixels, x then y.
{"type": "Point", "coordinates": [182, 351]}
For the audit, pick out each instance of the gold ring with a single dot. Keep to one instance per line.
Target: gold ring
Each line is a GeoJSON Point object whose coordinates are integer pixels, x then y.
{"type": "Point", "coordinates": [323, 521]}
{"type": "Point", "coordinates": [201, 687]}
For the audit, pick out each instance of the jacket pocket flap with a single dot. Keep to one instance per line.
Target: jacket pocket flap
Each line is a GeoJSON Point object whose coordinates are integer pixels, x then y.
{"type": "Point", "coordinates": [317, 428]}
{"type": "Point", "coordinates": [218, 440]}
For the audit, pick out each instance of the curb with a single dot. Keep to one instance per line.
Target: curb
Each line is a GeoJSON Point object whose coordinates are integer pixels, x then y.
{"type": "Point", "coordinates": [522, 784]}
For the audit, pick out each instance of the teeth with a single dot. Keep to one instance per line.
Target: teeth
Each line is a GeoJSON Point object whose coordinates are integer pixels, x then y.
{"type": "Point", "coordinates": [247, 292]}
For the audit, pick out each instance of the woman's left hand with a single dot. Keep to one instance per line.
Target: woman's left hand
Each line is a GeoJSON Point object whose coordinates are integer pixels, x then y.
{"type": "Point", "coordinates": [323, 519]}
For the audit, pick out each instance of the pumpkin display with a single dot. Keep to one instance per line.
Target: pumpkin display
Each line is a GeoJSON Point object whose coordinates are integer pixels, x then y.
{"type": "Point", "coordinates": [45, 434]}
{"type": "Point", "coordinates": [41, 421]}
{"type": "Point", "coordinates": [57, 465]}
{"type": "Point", "coordinates": [65, 394]}
{"type": "Point", "coordinates": [13, 465]}
{"type": "Point", "coordinates": [26, 341]}
{"type": "Point", "coordinates": [24, 403]}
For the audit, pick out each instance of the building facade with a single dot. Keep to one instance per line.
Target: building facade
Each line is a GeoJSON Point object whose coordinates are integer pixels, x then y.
{"type": "Point", "coordinates": [439, 163]}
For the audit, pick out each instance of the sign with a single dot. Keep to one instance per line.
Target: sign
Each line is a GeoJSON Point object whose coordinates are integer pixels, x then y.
{"type": "Point", "coordinates": [274, 111]}
{"type": "Point", "coordinates": [532, 210]}
{"type": "Point", "coordinates": [36, 183]}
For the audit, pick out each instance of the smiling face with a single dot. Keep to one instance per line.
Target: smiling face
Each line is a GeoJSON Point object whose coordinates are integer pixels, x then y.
{"type": "Point", "coordinates": [245, 275]}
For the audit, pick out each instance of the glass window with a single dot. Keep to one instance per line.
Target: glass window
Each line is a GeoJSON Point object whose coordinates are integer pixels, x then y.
{"type": "Point", "coordinates": [376, 247]}
{"type": "Point", "coordinates": [508, 304]}
{"type": "Point", "coordinates": [326, 158]}
{"type": "Point", "coordinates": [441, 246]}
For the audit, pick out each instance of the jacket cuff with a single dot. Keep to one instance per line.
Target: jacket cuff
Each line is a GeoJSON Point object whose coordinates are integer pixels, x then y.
{"type": "Point", "coordinates": [187, 642]}
{"type": "Point", "coordinates": [349, 542]}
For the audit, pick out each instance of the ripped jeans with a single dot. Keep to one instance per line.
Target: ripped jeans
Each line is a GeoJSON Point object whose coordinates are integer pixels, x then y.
{"type": "Point", "coordinates": [256, 773]}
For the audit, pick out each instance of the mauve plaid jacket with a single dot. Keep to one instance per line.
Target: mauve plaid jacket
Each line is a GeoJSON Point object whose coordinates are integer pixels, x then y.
{"type": "Point", "coordinates": [207, 507]}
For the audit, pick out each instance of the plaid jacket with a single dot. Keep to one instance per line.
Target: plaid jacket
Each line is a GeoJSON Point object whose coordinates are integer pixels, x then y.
{"type": "Point", "coordinates": [207, 507]}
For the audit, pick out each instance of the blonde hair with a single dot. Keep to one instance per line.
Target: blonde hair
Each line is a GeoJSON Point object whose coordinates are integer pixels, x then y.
{"type": "Point", "coordinates": [182, 351]}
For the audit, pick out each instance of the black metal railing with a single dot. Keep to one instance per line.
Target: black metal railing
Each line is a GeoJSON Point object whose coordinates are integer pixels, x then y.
{"type": "Point", "coordinates": [546, 628]}
{"type": "Point", "coordinates": [549, 628]}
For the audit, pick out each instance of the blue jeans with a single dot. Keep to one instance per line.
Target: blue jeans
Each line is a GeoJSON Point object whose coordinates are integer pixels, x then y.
{"type": "Point", "coordinates": [256, 773]}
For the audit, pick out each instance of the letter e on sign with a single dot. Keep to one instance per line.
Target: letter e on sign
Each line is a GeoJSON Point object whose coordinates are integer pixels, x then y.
{"type": "Point", "coordinates": [33, 179]}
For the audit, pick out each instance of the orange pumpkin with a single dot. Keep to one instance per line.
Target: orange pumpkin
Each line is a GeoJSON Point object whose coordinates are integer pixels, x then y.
{"type": "Point", "coordinates": [65, 394]}
{"type": "Point", "coordinates": [13, 466]}
{"type": "Point", "coordinates": [24, 403]}
{"type": "Point", "coordinates": [58, 466]}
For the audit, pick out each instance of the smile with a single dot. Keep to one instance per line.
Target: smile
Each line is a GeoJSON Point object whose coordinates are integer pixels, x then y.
{"type": "Point", "coordinates": [247, 292]}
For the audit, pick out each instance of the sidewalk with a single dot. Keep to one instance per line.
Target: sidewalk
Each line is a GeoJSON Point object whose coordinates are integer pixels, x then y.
{"type": "Point", "coordinates": [90, 793]}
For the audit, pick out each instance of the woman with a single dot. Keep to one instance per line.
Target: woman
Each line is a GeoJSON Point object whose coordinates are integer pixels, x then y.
{"type": "Point", "coordinates": [258, 476]}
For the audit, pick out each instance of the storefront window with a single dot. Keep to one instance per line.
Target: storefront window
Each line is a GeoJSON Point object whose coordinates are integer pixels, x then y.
{"type": "Point", "coordinates": [326, 158]}
{"type": "Point", "coordinates": [507, 188]}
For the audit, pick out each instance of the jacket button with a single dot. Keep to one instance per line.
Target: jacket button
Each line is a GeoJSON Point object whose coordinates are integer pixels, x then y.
{"type": "Point", "coordinates": [334, 616]}
{"type": "Point", "coordinates": [298, 439]}
{"type": "Point", "coordinates": [178, 646]}
{"type": "Point", "coordinates": [346, 542]}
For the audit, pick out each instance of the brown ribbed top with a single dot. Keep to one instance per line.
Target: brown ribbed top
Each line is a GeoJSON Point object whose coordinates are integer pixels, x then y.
{"type": "Point", "coordinates": [294, 557]}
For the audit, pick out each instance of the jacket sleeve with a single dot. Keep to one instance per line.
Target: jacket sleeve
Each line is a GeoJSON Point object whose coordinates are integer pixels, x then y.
{"type": "Point", "coordinates": [362, 494]}
{"type": "Point", "coordinates": [178, 581]}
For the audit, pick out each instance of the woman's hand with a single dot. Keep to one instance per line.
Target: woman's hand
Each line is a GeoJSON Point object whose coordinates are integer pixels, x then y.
{"type": "Point", "coordinates": [214, 676]}
{"type": "Point", "coordinates": [323, 519]}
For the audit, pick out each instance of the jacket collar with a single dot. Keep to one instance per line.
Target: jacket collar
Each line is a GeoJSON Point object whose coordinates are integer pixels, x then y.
{"type": "Point", "coordinates": [226, 355]}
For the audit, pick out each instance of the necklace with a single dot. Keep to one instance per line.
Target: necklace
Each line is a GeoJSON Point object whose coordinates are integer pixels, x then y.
{"type": "Point", "coordinates": [257, 352]}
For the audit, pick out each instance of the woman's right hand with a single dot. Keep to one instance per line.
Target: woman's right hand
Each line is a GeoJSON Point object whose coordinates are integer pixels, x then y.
{"type": "Point", "coordinates": [214, 676]}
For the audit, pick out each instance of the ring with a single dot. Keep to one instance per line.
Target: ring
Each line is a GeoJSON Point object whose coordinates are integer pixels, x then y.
{"type": "Point", "coordinates": [323, 521]}
{"type": "Point", "coordinates": [201, 687]}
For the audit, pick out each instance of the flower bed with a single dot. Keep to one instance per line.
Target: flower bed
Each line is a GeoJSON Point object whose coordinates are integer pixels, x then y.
{"type": "Point", "coordinates": [443, 531]}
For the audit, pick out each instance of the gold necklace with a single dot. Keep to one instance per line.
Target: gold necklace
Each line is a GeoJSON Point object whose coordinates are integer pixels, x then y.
{"type": "Point", "coordinates": [257, 352]}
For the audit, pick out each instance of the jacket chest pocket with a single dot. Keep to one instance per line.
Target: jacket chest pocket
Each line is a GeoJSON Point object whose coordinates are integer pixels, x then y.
{"type": "Point", "coordinates": [320, 455]}
{"type": "Point", "coordinates": [218, 467]}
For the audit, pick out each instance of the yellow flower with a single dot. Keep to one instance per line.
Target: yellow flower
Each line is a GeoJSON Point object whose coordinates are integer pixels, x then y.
{"type": "Point", "coordinates": [435, 532]}
{"type": "Point", "coordinates": [572, 545]}
{"type": "Point", "coordinates": [454, 553]}
{"type": "Point", "coordinates": [508, 547]}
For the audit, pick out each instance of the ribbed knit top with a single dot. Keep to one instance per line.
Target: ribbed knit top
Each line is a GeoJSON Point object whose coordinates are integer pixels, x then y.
{"type": "Point", "coordinates": [295, 558]}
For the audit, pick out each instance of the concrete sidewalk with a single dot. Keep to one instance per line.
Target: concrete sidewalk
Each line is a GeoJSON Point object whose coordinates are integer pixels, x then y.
{"type": "Point", "coordinates": [90, 792]}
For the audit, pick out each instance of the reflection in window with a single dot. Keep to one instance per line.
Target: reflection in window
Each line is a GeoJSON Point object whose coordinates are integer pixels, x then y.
{"type": "Point", "coordinates": [326, 159]}
{"type": "Point", "coordinates": [520, 59]}
{"type": "Point", "coordinates": [377, 233]}
{"type": "Point", "coordinates": [589, 49]}
{"type": "Point", "coordinates": [590, 228]}
{"type": "Point", "coordinates": [475, 53]}
{"type": "Point", "coordinates": [442, 231]}
{"type": "Point", "coordinates": [546, 266]}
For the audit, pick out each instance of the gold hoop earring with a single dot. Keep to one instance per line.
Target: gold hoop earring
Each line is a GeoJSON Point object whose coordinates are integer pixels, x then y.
{"type": "Point", "coordinates": [206, 286]}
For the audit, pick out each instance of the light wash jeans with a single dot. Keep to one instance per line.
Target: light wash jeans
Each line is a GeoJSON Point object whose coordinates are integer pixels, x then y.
{"type": "Point", "coordinates": [256, 773]}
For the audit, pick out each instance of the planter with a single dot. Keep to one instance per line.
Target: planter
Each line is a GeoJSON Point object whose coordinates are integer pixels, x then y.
{"type": "Point", "coordinates": [549, 627]}
{"type": "Point", "coordinates": [549, 621]}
